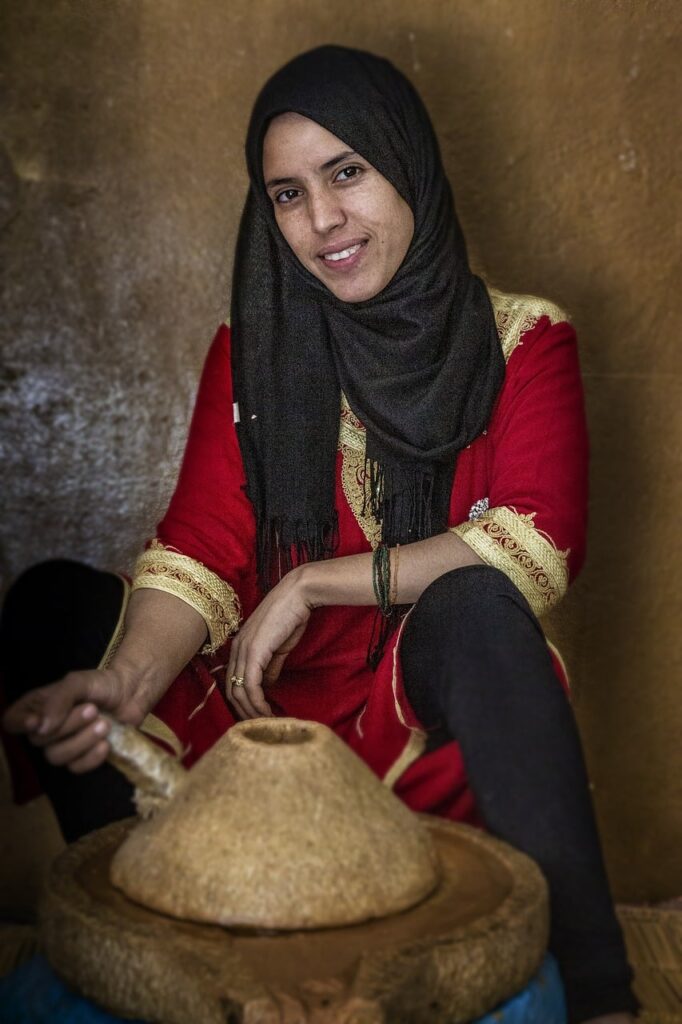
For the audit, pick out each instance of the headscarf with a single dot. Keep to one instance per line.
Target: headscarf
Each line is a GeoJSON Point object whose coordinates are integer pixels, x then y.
{"type": "Point", "coordinates": [420, 363]}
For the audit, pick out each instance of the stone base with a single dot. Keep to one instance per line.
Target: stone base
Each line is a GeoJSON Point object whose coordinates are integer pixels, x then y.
{"type": "Point", "coordinates": [477, 940]}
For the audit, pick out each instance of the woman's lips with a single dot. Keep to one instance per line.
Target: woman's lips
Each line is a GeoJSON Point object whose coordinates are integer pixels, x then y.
{"type": "Point", "coordinates": [347, 262]}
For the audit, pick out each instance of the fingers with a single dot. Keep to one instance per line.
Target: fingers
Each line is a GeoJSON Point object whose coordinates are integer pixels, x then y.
{"type": "Point", "coordinates": [256, 698]}
{"type": "Point", "coordinates": [79, 748]}
{"type": "Point", "coordinates": [25, 714]}
{"type": "Point", "coordinates": [231, 672]}
{"type": "Point", "coordinates": [44, 711]}
{"type": "Point", "coordinates": [91, 760]}
{"type": "Point", "coordinates": [78, 718]}
{"type": "Point", "coordinates": [247, 699]}
{"type": "Point", "coordinates": [65, 719]}
{"type": "Point", "coordinates": [272, 672]}
{"type": "Point", "coordinates": [261, 646]}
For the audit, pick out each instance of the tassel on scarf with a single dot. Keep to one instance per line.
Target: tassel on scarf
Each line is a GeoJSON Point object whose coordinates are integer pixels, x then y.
{"type": "Point", "coordinates": [282, 545]}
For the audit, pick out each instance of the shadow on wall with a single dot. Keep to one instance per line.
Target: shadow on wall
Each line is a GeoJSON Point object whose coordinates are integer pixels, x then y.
{"type": "Point", "coordinates": [96, 388]}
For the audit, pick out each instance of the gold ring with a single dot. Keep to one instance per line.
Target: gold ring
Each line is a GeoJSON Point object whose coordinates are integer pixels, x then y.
{"type": "Point", "coordinates": [237, 680]}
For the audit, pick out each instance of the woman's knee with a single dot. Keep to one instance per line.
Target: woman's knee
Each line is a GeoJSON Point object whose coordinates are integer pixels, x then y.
{"type": "Point", "coordinates": [448, 624]}
{"type": "Point", "coordinates": [58, 616]}
{"type": "Point", "coordinates": [45, 577]}
{"type": "Point", "coordinates": [474, 612]}
{"type": "Point", "coordinates": [467, 595]}
{"type": "Point", "coordinates": [56, 582]}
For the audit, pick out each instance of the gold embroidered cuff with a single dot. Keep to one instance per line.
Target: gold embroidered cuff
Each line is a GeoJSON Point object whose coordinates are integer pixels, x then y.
{"type": "Point", "coordinates": [119, 630]}
{"type": "Point", "coordinates": [160, 568]}
{"type": "Point", "coordinates": [511, 542]}
{"type": "Point", "coordinates": [516, 314]}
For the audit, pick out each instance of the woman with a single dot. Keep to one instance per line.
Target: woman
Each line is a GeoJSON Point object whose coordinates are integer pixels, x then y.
{"type": "Point", "coordinates": [451, 486]}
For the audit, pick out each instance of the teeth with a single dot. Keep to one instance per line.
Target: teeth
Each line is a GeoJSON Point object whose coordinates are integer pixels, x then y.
{"type": "Point", "coordinates": [344, 254]}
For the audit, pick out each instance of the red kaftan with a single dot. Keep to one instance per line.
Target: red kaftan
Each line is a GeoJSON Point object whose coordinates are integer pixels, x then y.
{"type": "Point", "coordinates": [519, 500]}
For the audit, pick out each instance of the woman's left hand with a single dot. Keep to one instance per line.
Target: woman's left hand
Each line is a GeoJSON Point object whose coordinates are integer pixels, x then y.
{"type": "Point", "coordinates": [261, 646]}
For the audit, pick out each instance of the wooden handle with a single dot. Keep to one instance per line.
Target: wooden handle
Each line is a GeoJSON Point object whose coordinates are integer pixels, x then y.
{"type": "Point", "coordinates": [156, 776]}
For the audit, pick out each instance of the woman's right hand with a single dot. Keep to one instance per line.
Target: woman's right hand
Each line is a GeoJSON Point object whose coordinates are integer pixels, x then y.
{"type": "Point", "coordinates": [66, 718]}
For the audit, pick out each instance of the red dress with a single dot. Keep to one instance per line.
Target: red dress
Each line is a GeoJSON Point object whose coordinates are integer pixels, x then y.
{"type": "Point", "coordinates": [519, 500]}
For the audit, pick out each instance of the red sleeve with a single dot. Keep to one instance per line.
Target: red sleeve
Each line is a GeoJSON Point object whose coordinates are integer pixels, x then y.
{"type": "Point", "coordinates": [209, 518]}
{"type": "Point", "coordinates": [538, 439]}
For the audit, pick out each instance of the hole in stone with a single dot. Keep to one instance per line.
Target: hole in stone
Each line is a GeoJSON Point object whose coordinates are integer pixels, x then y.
{"type": "Point", "coordinates": [273, 734]}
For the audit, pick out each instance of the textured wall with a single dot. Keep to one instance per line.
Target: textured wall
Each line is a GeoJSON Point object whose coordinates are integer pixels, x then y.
{"type": "Point", "coordinates": [122, 183]}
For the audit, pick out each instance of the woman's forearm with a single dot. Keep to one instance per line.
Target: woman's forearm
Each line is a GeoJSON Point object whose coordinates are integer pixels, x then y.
{"type": "Point", "coordinates": [349, 580]}
{"type": "Point", "coordinates": [162, 633]}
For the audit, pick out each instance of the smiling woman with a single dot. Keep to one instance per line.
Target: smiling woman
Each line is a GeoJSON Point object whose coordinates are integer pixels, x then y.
{"type": "Point", "coordinates": [342, 219]}
{"type": "Point", "coordinates": [384, 486]}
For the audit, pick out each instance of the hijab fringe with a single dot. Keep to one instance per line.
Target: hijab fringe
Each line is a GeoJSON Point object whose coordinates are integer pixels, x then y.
{"type": "Point", "coordinates": [401, 500]}
{"type": "Point", "coordinates": [282, 545]}
{"type": "Point", "coordinates": [383, 628]}
{"type": "Point", "coordinates": [405, 516]}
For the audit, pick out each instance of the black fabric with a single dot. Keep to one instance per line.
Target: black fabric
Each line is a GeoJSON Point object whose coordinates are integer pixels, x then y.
{"type": "Point", "coordinates": [420, 363]}
{"type": "Point", "coordinates": [477, 669]}
{"type": "Point", "coordinates": [58, 617]}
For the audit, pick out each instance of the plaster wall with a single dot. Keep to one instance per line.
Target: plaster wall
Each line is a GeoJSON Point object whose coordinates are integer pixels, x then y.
{"type": "Point", "coordinates": [122, 184]}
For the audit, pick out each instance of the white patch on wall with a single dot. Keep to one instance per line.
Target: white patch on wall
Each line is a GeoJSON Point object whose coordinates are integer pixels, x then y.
{"type": "Point", "coordinates": [627, 158]}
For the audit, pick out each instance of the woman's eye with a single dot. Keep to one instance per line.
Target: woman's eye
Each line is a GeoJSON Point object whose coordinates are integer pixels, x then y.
{"type": "Point", "coordinates": [286, 196]}
{"type": "Point", "coordinates": [348, 173]}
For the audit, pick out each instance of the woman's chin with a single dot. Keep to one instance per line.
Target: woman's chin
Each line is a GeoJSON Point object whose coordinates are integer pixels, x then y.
{"type": "Point", "coordinates": [352, 291]}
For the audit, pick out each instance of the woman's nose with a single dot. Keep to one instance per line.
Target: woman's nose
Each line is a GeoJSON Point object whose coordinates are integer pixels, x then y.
{"type": "Point", "coordinates": [326, 213]}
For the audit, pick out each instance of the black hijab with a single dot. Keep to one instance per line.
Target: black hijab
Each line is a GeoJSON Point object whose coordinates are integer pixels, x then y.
{"type": "Point", "coordinates": [420, 363]}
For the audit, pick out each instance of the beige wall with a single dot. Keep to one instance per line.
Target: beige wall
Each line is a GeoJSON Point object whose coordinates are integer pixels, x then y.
{"type": "Point", "coordinates": [122, 187]}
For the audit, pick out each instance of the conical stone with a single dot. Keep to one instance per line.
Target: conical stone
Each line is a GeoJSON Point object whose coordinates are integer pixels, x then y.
{"type": "Point", "coordinates": [279, 825]}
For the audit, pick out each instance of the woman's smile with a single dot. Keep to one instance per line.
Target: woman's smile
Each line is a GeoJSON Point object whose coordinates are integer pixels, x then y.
{"type": "Point", "coordinates": [343, 256]}
{"type": "Point", "coordinates": [342, 219]}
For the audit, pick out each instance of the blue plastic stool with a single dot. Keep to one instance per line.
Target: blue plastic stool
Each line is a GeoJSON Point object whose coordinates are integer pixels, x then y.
{"type": "Point", "coordinates": [33, 994]}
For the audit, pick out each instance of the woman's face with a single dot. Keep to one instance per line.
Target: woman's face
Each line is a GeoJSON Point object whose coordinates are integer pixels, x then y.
{"type": "Point", "coordinates": [342, 219]}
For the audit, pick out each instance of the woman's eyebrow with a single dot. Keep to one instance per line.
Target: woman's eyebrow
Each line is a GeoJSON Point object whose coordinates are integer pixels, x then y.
{"type": "Point", "coordinates": [337, 159]}
{"type": "Point", "coordinates": [324, 167]}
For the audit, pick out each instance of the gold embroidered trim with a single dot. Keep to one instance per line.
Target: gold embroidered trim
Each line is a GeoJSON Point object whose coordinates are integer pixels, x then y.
{"type": "Point", "coordinates": [515, 314]}
{"type": "Point", "coordinates": [352, 480]}
{"type": "Point", "coordinates": [510, 541]}
{"type": "Point", "coordinates": [204, 702]}
{"type": "Point", "coordinates": [119, 631]}
{"type": "Point", "coordinates": [352, 446]}
{"type": "Point", "coordinates": [416, 742]}
{"type": "Point", "coordinates": [560, 658]}
{"type": "Point", "coordinates": [358, 729]}
{"type": "Point", "coordinates": [394, 676]}
{"type": "Point", "coordinates": [161, 568]}
{"type": "Point", "coordinates": [351, 430]}
{"type": "Point", "coordinates": [413, 749]}
{"type": "Point", "coordinates": [156, 728]}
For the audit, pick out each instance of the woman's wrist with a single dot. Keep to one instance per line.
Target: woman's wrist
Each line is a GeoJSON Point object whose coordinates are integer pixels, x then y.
{"type": "Point", "coordinates": [141, 685]}
{"type": "Point", "coordinates": [336, 581]}
{"type": "Point", "coordinates": [312, 583]}
{"type": "Point", "coordinates": [307, 583]}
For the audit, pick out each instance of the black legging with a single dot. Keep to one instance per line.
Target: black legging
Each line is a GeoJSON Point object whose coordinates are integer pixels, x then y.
{"type": "Point", "coordinates": [58, 617]}
{"type": "Point", "coordinates": [476, 668]}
